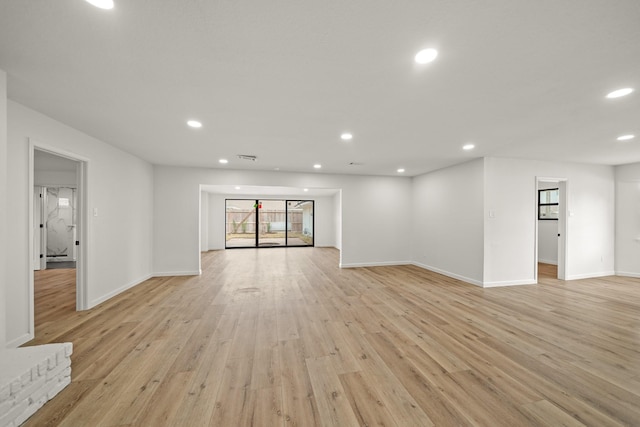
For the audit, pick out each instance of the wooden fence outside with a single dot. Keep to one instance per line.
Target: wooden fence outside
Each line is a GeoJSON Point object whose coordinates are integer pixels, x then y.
{"type": "Point", "coordinates": [270, 221]}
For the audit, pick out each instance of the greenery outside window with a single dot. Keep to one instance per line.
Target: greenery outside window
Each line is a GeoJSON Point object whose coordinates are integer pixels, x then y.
{"type": "Point", "coordinates": [548, 203]}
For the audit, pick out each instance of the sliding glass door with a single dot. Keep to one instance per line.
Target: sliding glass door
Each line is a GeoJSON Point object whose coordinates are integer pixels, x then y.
{"type": "Point", "coordinates": [300, 221]}
{"type": "Point", "coordinates": [241, 224]}
{"type": "Point", "coordinates": [269, 223]}
{"type": "Point", "coordinates": [273, 224]}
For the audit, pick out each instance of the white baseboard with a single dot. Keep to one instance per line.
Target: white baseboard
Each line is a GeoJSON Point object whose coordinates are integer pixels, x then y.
{"type": "Point", "coordinates": [448, 274]}
{"type": "Point", "coordinates": [121, 289]}
{"type": "Point", "coordinates": [373, 264]}
{"type": "Point", "coordinates": [177, 273]}
{"type": "Point", "coordinates": [548, 261]}
{"type": "Point", "coordinates": [17, 342]}
{"type": "Point", "coordinates": [590, 275]}
{"type": "Point", "coordinates": [509, 283]}
{"type": "Point", "coordinates": [627, 274]}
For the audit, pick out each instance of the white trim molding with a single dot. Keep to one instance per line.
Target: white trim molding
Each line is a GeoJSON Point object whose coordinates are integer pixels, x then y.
{"type": "Point", "coordinates": [449, 274]}
{"type": "Point", "coordinates": [374, 264]}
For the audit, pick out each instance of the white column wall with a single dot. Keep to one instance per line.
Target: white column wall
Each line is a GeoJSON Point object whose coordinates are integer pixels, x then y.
{"type": "Point", "coordinates": [3, 207]}
{"type": "Point", "coordinates": [216, 221]}
{"type": "Point", "coordinates": [511, 195]}
{"type": "Point", "coordinates": [374, 216]}
{"type": "Point", "coordinates": [447, 225]}
{"type": "Point", "coordinates": [119, 239]}
{"type": "Point", "coordinates": [628, 220]}
{"type": "Point", "coordinates": [204, 221]}
{"type": "Point", "coordinates": [337, 215]}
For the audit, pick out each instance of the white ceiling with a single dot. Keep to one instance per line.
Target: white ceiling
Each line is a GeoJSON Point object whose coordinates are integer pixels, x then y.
{"type": "Point", "coordinates": [282, 80]}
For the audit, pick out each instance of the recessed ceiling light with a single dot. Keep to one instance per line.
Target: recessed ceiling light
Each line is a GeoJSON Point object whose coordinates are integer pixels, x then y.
{"type": "Point", "coordinates": [468, 147]}
{"type": "Point", "coordinates": [237, 188]}
{"type": "Point", "coordinates": [400, 170]}
{"type": "Point", "coordinates": [317, 166]}
{"type": "Point", "coordinates": [626, 137]}
{"type": "Point", "coordinates": [194, 124]}
{"type": "Point", "coordinates": [223, 161]}
{"type": "Point", "coordinates": [620, 92]}
{"type": "Point", "coordinates": [306, 189]}
{"type": "Point", "coordinates": [346, 136]}
{"type": "Point", "coordinates": [425, 56]}
{"type": "Point", "coordinates": [102, 4]}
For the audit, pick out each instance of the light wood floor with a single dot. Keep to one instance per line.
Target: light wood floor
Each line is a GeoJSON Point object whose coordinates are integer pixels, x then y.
{"type": "Point", "coordinates": [284, 337]}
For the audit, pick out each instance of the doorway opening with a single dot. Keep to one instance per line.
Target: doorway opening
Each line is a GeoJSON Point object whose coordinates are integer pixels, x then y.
{"type": "Point", "coordinates": [58, 234]}
{"type": "Point", "coordinates": [551, 235]}
{"type": "Point", "coordinates": [255, 223]}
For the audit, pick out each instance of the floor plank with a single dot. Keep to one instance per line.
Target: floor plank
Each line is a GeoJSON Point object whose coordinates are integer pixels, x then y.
{"type": "Point", "coordinates": [283, 337]}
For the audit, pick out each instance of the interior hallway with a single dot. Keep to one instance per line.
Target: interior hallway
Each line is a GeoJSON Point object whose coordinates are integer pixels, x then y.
{"type": "Point", "coordinates": [285, 337]}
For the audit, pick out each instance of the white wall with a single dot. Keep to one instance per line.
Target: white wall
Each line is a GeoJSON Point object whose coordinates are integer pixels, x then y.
{"type": "Point", "coordinates": [337, 215]}
{"type": "Point", "coordinates": [548, 241]}
{"type": "Point", "coordinates": [374, 229]}
{"type": "Point", "coordinates": [204, 221]}
{"type": "Point", "coordinates": [324, 218]}
{"type": "Point", "coordinates": [119, 239]}
{"type": "Point", "coordinates": [548, 234]}
{"type": "Point", "coordinates": [54, 178]}
{"type": "Point", "coordinates": [324, 221]}
{"type": "Point", "coordinates": [216, 221]}
{"type": "Point", "coordinates": [3, 206]}
{"type": "Point", "coordinates": [628, 220]}
{"type": "Point", "coordinates": [447, 224]}
{"type": "Point", "coordinates": [510, 193]}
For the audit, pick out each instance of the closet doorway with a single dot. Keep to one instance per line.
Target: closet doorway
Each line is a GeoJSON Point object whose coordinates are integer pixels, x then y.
{"type": "Point", "coordinates": [57, 238]}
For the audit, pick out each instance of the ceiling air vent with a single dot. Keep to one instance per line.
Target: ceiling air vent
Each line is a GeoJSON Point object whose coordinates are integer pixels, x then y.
{"type": "Point", "coordinates": [247, 157]}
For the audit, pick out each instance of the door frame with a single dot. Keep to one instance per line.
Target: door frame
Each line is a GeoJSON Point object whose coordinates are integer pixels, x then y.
{"type": "Point", "coordinates": [39, 263]}
{"type": "Point", "coordinates": [82, 233]}
{"type": "Point", "coordinates": [563, 247]}
{"type": "Point", "coordinates": [257, 226]}
{"type": "Point", "coordinates": [313, 222]}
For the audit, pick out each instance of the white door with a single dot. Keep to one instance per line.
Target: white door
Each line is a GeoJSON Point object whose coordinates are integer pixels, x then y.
{"type": "Point", "coordinates": [562, 230]}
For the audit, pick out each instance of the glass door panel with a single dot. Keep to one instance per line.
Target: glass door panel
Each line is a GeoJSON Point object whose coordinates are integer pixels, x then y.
{"type": "Point", "coordinates": [300, 223]}
{"type": "Point", "coordinates": [272, 223]}
{"type": "Point", "coordinates": [240, 224]}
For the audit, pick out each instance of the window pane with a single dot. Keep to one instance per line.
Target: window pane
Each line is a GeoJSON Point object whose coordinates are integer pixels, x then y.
{"type": "Point", "coordinates": [241, 223]}
{"type": "Point", "coordinates": [544, 196]}
{"type": "Point", "coordinates": [554, 196]}
{"type": "Point", "coordinates": [300, 220]}
{"type": "Point", "coordinates": [272, 223]}
{"type": "Point", "coordinates": [548, 212]}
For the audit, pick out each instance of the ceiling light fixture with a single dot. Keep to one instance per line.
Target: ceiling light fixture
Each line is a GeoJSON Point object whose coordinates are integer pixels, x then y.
{"type": "Point", "coordinates": [425, 56]}
{"type": "Point", "coordinates": [102, 4]}
{"type": "Point", "coordinates": [223, 161]}
{"type": "Point", "coordinates": [400, 170]}
{"type": "Point", "coordinates": [306, 189]}
{"type": "Point", "coordinates": [620, 92]}
{"type": "Point", "coordinates": [468, 147]}
{"type": "Point", "coordinates": [317, 166]}
{"type": "Point", "coordinates": [237, 188]}
{"type": "Point", "coordinates": [626, 137]}
{"type": "Point", "coordinates": [194, 124]}
{"type": "Point", "coordinates": [346, 136]}
{"type": "Point", "coordinates": [249, 157]}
